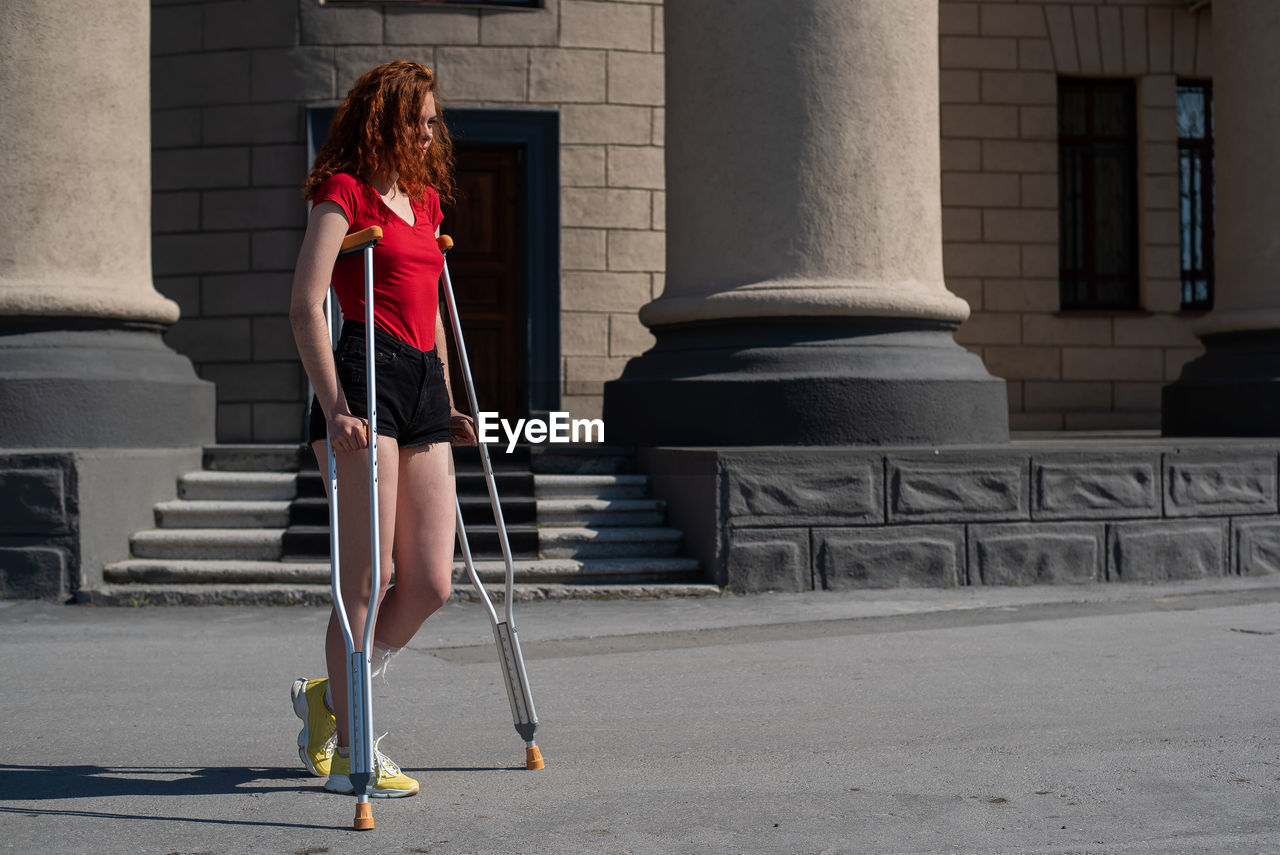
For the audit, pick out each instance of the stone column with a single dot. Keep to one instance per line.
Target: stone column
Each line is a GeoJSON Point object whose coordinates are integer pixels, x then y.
{"type": "Point", "coordinates": [1234, 388]}
{"type": "Point", "coordinates": [804, 299]}
{"type": "Point", "coordinates": [82, 363]}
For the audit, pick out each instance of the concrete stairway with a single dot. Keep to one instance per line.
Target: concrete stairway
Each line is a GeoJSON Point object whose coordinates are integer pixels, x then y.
{"type": "Point", "coordinates": [252, 527]}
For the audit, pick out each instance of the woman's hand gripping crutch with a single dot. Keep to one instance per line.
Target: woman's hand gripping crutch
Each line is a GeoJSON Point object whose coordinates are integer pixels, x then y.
{"type": "Point", "coordinates": [504, 629]}
{"type": "Point", "coordinates": [359, 681]}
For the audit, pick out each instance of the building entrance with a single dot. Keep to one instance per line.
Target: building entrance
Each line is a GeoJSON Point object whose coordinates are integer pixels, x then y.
{"type": "Point", "coordinates": [486, 265]}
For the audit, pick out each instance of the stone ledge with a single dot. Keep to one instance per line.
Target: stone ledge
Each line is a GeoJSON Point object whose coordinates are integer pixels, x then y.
{"type": "Point", "coordinates": [1036, 554]}
{"type": "Point", "coordinates": [1081, 486]}
{"type": "Point", "coordinates": [37, 494]}
{"type": "Point", "coordinates": [1167, 549]}
{"type": "Point", "coordinates": [1044, 511]}
{"type": "Point", "coordinates": [889, 557]}
{"type": "Point", "coordinates": [1255, 546]}
{"type": "Point", "coordinates": [1205, 484]}
{"type": "Point", "coordinates": [841, 487]}
{"type": "Point", "coordinates": [319, 595]}
{"type": "Point", "coordinates": [956, 487]}
{"type": "Point", "coordinates": [35, 571]}
{"type": "Point", "coordinates": [66, 512]}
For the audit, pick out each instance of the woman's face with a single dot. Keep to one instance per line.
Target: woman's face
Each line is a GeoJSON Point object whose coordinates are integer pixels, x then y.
{"type": "Point", "coordinates": [427, 123]}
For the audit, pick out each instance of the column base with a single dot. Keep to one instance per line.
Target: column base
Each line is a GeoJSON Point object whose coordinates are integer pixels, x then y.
{"type": "Point", "coordinates": [91, 383]}
{"type": "Point", "coordinates": [1232, 390]}
{"type": "Point", "coordinates": [806, 381]}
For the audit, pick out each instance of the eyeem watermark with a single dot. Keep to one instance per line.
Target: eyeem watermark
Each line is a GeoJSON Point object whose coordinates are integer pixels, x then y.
{"type": "Point", "coordinates": [560, 428]}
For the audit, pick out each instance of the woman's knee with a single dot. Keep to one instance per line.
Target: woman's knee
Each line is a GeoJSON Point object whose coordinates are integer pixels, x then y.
{"type": "Point", "coordinates": [436, 593]}
{"type": "Point", "coordinates": [357, 582]}
{"type": "Point", "coordinates": [426, 594]}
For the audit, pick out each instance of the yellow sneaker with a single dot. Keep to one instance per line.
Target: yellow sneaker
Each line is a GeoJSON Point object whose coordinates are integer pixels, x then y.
{"type": "Point", "coordinates": [319, 734]}
{"type": "Point", "coordinates": [389, 781]}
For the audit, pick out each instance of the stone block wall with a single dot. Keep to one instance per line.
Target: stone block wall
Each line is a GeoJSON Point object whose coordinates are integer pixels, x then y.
{"type": "Point", "coordinates": [1026, 513]}
{"type": "Point", "coordinates": [39, 515]}
{"type": "Point", "coordinates": [57, 529]}
{"type": "Point", "coordinates": [230, 83]}
{"type": "Point", "coordinates": [999, 67]}
{"type": "Point", "coordinates": [231, 80]}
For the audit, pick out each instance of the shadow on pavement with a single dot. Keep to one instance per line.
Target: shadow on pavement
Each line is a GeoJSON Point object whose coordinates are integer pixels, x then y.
{"type": "Point", "coordinates": [29, 782]}
{"type": "Point", "coordinates": [33, 782]}
{"type": "Point", "coordinates": [199, 820]}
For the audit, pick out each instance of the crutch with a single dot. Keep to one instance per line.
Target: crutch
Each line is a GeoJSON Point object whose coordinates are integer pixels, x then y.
{"type": "Point", "coordinates": [359, 683]}
{"type": "Point", "coordinates": [504, 630]}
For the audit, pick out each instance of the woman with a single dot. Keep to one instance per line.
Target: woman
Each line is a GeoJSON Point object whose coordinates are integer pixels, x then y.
{"type": "Point", "coordinates": [386, 161]}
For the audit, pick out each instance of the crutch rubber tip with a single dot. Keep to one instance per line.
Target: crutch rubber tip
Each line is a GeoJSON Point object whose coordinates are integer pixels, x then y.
{"type": "Point", "coordinates": [533, 758]}
{"type": "Point", "coordinates": [364, 816]}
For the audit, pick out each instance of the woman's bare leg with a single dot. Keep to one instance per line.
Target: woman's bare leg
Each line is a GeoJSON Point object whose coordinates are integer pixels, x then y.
{"type": "Point", "coordinates": [425, 529]}
{"type": "Point", "coordinates": [354, 555]}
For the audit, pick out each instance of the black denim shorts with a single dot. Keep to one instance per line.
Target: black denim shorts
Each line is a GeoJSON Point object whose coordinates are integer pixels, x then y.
{"type": "Point", "coordinates": [413, 402]}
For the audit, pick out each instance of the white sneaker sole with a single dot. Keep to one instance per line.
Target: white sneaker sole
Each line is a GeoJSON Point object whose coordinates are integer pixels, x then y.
{"type": "Point", "coordinates": [342, 784]}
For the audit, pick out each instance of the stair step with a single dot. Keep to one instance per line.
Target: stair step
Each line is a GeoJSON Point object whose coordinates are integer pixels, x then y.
{"type": "Point", "coordinates": [236, 486]}
{"type": "Point", "coordinates": [475, 511]}
{"type": "Point", "coordinates": [558, 570]}
{"type": "Point", "coordinates": [509, 483]}
{"type": "Point", "coordinates": [590, 571]}
{"type": "Point", "coordinates": [221, 541]}
{"type": "Point", "coordinates": [516, 510]}
{"type": "Point", "coordinates": [161, 594]}
{"type": "Point", "coordinates": [200, 513]}
{"type": "Point", "coordinates": [619, 542]}
{"type": "Point", "coordinates": [319, 595]}
{"type": "Point", "coordinates": [255, 457]}
{"type": "Point", "coordinates": [582, 459]}
{"type": "Point", "coordinates": [499, 458]}
{"type": "Point", "coordinates": [192, 571]}
{"type": "Point", "coordinates": [301, 542]}
{"type": "Point", "coordinates": [601, 512]}
{"type": "Point", "coordinates": [253, 544]}
{"type": "Point", "coordinates": [595, 486]}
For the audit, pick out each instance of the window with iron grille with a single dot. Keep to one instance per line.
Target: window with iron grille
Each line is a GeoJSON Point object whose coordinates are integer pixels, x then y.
{"type": "Point", "coordinates": [1195, 192]}
{"type": "Point", "coordinates": [1097, 194]}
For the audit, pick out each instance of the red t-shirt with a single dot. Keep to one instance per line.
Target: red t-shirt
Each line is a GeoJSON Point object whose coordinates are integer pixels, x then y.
{"type": "Point", "coordinates": [406, 263]}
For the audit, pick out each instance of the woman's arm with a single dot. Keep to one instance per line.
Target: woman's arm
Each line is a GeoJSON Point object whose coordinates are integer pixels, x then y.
{"type": "Point", "coordinates": [326, 228]}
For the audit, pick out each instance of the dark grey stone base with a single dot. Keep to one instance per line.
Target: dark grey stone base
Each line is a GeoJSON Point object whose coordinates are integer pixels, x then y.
{"type": "Point", "coordinates": [1233, 389]}
{"type": "Point", "coordinates": [806, 381]}
{"type": "Point", "coordinates": [1020, 513]}
{"type": "Point", "coordinates": [64, 514]}
{"type": "Point", "coordinates": [77, 383]}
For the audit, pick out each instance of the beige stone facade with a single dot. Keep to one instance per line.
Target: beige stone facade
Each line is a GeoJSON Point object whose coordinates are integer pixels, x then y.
{"type": "Point", "coordinates": [1000, 62]}
{"type": "Point", "coordinates": [229, 150]}
{"type": "Point", "coordinates": [230, 81]}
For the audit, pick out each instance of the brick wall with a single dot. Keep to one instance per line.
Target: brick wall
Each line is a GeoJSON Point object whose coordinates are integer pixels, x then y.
{"type": "Point", "coordinates": [999, 67]}
{"type": "Point", "coordinates": [230, 83]}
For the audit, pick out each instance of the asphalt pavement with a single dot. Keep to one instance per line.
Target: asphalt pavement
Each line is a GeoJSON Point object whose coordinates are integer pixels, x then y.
{"type": "Point", "coordinates": [1097, 719]}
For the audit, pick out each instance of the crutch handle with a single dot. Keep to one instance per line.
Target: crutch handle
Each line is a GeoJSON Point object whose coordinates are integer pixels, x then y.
{"type": "Point", "coordinates": [357, 241]}
{"type": "Point", "coordinates": [445, 243]}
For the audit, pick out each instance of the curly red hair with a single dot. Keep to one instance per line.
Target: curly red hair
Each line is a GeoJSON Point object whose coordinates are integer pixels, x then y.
{"type": "Point", "coordinates": [375, 131]}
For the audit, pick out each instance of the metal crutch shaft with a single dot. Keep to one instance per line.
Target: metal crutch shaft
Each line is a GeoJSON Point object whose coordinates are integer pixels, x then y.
{"type": "Point", "coordinates": [359, 689]}
{"type": "Point", "coordinates": [505, 636]}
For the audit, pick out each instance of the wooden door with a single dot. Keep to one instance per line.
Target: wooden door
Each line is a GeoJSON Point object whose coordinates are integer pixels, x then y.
{"type": "Point", "coordinates": [485, 266]}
